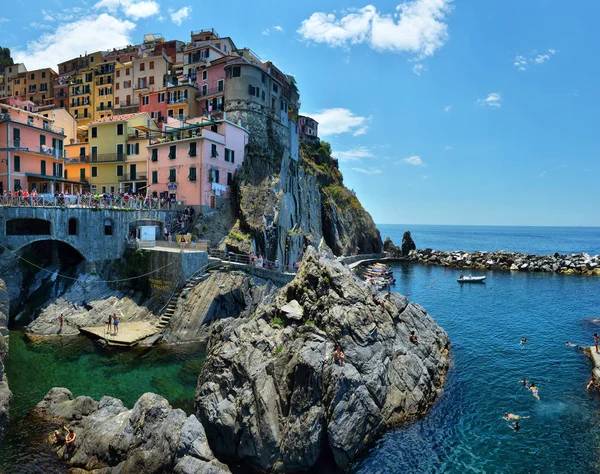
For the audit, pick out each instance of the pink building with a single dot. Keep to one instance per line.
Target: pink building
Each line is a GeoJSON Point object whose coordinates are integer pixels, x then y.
{"type": "Point", "coordinates": [210, 82]}
{"type": "Point", "coordinates": [197, 162]}
{"type": "Point", "coordinates": [155, 105]}
{"type": "Point", "coordinates": [308, 127]}
{"type": "Point", "coordinates": [31, 152]}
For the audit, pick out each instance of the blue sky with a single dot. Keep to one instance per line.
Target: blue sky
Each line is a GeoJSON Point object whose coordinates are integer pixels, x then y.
{"type": "Point", "coordinates": [440, 111]}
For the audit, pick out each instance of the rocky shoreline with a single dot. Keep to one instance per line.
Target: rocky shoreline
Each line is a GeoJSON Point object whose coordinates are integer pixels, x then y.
{"type": "Point", "coordinates": [566, 264]}
{"type": "Point", "coordinates": [5, 393]}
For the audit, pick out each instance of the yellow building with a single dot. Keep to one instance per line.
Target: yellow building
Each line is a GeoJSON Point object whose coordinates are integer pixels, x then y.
{"type": "Point", "coordinates": [103, 90]}
{"type": "Point", "coordinates": [118, 155]}
{"type": "Point", "coordinates": [81, 98]}
{"type": "Point", "coordinates": [77, 167]}
{"type": "Point", "coordinates": [40, 85]}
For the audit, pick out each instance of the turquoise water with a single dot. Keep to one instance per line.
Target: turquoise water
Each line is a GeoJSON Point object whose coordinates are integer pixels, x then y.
{"type": "Point", "coordinates": [465, 432]}
{"type": "Point", "coordinates": [87, 369]}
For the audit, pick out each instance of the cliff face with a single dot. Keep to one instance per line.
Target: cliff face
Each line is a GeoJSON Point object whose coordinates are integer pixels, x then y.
{"type": "Point", "coordinates": [5, 393]}
{"type": "Point", "coordinates": [285, 204]}
{"type": "Point", "coordinates": [271, 394]}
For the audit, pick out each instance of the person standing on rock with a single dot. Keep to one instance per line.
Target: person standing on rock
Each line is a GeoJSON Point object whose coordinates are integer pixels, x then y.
{"type": "Point", "coordinates": [109, 328]}
{"type": "Point", "coordinates": [61, 319]}
{"type": "Point", "coordinates": [596, 341]}
{"type": "Point", "coordinates": [116, 323]}
{"type": "Point", "coordinates": [413, 338]}
{"type": "Point", "coordinates": [374, 290]}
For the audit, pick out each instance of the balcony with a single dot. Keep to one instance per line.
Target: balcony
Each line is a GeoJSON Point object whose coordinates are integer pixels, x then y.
{"type": "Point", "coordinates": [60, 95]}
{"type": "Point", "coordinates": [133, 177]}
{"type": "Point", "coordinates": [78, 159]}
{"type": "Point", "coordinates": [180, 100]}
{"type": "Point", "coordinates": [4, 118]}
{"type": "Point", "coordinates": [54, 129]}
{"type": "Point", "coordinates": [137, 135]}
{"type": "Point", "coordinates": [101, 108]}
{"type": "Point", "coordinates": [176, 136]}
{"type": "Point", "coordinates": [140, 85]}
{"type": "Point", "coordinates": [193, 58]}
{"type": "Point", "coordinates": [107, 157]}
{"type": "Point", "coordinates": [213, 91]}
{"type": "Point", "coordinates": [104, 70]}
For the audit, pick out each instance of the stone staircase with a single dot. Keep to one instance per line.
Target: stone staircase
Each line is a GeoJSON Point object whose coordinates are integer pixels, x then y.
{"type": "Point", "coordinates": [199, 276]}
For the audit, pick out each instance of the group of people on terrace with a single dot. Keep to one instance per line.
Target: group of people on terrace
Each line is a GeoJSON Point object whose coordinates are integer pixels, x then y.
{"type": "Point", "coordinates": [122, 200]}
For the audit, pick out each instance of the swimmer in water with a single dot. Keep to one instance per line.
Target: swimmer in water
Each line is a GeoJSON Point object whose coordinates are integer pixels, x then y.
{"type": "Point", "coordinates": [570, 344]}
{"type": "Point", "coordinates": [534, 390]}
{"type": "Point", "coordinates": [523, 340]}
{"type": "Point", "coordinates": [512, 416]}
{"type": "Point", "coordinates": [524, 382]}
{"type": "Point", "coordinates": [515, 426]}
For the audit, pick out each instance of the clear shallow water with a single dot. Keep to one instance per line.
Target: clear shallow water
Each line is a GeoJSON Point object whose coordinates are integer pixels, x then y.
{"type": "Point", "coordinates": [536, 240]}
{"type": "Point", "coordinates": [464, 432]}
{"type": "Point", "coordinates": [86, 369]}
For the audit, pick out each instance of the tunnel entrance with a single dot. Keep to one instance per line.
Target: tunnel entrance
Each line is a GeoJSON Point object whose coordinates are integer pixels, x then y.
{"type": "Point", "coordinates": [48, 269]}
{"type": "Point", "coordinates": [27, 227]}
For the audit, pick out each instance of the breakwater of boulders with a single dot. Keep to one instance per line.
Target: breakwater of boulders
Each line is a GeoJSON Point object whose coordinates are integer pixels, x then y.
{"type": "Point", "coordinates": [569, 264]}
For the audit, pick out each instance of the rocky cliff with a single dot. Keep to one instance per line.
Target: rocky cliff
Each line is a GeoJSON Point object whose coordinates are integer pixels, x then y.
{"type": "Point", "coordinates": [283, 205]}
{"type": "Point", "coordinates": [270, 393]}
{"type": "Point", "coordinates": [221, 295]}
{"type": "Point", "coordinates": [150, 438]}
{"type": "Point", "coordinates": [5, 393]}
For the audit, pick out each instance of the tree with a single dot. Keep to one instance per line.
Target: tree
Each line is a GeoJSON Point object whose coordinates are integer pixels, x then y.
{"type": "Point", "coordinates": [5, 58]}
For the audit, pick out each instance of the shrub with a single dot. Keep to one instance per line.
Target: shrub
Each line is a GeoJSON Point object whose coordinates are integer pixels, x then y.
{"type": "Point", "coordinates": [277, 322]}
{"type": "Point", "coordinates": [278, 350]}
{"type": "Point", "coordinates": [309, 323]}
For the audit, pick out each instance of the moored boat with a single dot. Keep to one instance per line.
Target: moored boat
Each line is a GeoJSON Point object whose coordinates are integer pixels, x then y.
{"type": "Point", "coordinates": [471, 279]}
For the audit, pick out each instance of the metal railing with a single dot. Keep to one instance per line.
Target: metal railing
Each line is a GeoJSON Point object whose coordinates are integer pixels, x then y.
{"type": "Point", "coordinates": [100, 108]}
{"type": "Point", "coordinates": [139, 203]}
{"type": "Point", "coordinates": [176, 136]}
{"type": "Point", "coordinates": [212, 91]}
{"type": "Point", "coordinates": [133, 177]}
{"type": "Point", "coordinates": [107, 157]}
{"type": "Point", "coordinates": [54, 129]}
{"type": "Point", "coordinates": [252, 261]}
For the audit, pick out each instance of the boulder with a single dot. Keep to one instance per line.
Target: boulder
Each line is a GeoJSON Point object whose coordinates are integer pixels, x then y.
{"type": "Point", "coordinates": [408, 243]}
{"type": "Point", "coordinates": [150, 438]}
{"type": "Point", "coordinates": [271, 395]}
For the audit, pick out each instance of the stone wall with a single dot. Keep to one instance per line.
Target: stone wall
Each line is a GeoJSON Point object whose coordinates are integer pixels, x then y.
{"type": "Point", "coordinates": [5, 393]}
{"type": "Point", "coordinates": [90, 240]}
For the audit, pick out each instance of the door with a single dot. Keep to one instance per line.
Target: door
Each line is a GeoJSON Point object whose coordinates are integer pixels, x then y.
{"type": "Point", "coordinates": [213, 201]}
{"type": "Point", "coordinates": [132, 172]}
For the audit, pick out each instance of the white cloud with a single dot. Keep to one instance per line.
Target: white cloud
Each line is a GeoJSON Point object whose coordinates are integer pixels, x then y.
{"type": "Point", "coordinates": [492, 100]}
{"type": "Point", "coordinates": [542, 174]}
{"type": "Point", "coordinates": [354, 154]}
{"type": "Point", "coordinates": [131, 8]}
{"type": "Point", "coordinates": [412, 160]}
{"type": "Point", "coordinates": [522, 63]}
{"type": "Point", "coordinates": [103, 31]}
{"type": "Point", "coordinates": [41, 26]}
{"type": "Point", "coordinates": [425, 177]}
{"type": "Point", "coordinates": [4, 20]}
{"type": "Point", "coordinates": [266, 32]}
{"type": "Point", "coordinates": [178, 16]}
{"type": "Point", "coordinates": [448, 108]}
{"type": "Point", "coordinates": [448, 147]}
{"type": "Point", "coordinates": [340, 120]}
{"type": "Point", "coordinates": [278, 28]}
{"type": "Point", "coordinates": [418, 69]}
{"type": "Point", "coordinates": [417, 27]}
{"type": "Point", "coordinates": [367, 171]}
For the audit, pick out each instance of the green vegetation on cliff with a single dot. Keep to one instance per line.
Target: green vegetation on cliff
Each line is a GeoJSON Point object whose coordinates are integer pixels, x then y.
{"type": "Point", "coordinates": [5, 58]}
{"type": "Point", "coordinates": [347, 227]}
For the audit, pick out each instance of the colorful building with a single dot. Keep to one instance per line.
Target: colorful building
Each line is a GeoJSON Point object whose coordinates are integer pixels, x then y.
{"type": "Point", "coordinates": [77, 166]}
{"type": "Point", "coordinates": [31, 152]}
{"type": "Point", "coordinates": [210, 79]}
{"type": "Point", "coordinates": [102, 96]}
{"type": "Point", "coordinates": [40, 85]}
{"type": "Point", "coordinates": [125, 101]}
{"type": "Point", "coordinates": [308, 127]}
{"type": "Point", "coordinates": [196, 163]}
{"type": "Point", "coordinates": [118, 158]}
{"type": "Point", "coordinates": [155, 105]}
{"type": "Point", "coordinates": [149, 74]}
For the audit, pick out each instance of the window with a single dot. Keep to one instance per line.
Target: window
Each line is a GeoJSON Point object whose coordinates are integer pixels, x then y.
{"type": "Point", "coordinates": [88, 77]}
{"type": "Point", "coordinates": [42, 140]}
{"type": "Point", "coordinates": [43, 167]}
{"type": "Point", "coordinates": [94, 153]}
{"type": "Point", "coordinates": [155, 177]}
{"type": "Point", "coordinates": [16, 137]}
{"type": "Point", "coordinates": [17, 163]}
{"type": "Point", "coordinates": [151, 64]}
{"type": "Point", "coordinates": [151, 80]}
{"type": "Point", "coordinates": [120, 129]}
{"type": "Point", "coordinates": [180, 113]}
{"type": "Point", "coordinates": [120, 151]}
{"type": "Point", "coordinates": [213, 150]}
{"type": "Point", "coordinates": [229, 155]}
{"type": "Point", "coordinates": [81, 174]}
{"type": "Point", "coordinates": [192, 151]}
{"type": "Point", "coordinates": [264, 79]}
{"type": "Point", "coordinates": [229, 178]}
{"type": "Point", "coordinates": [72, 226]}
{"type": "Point", "coordinates": [94, 132]}
{"type": "Point", "coordinates": [154, 154]}
{"type": "Point", "coordinates": [214, 175]}
{"type": "Point", "coordinates": [172, 175]}
{"type": "Point", "coordinates": [236, 71]}
{"type": "Point", "coordinates": [103, 189]}
{"type": "Point", "coordinates": [145, 100]}
{"type": "Point", "coordinates": [172, 152]}
{"type": "Point", "coordinates": [94, 171]}
{"type": "Point", "coordinates": [204, 89]}
{"type": "Point", "coordinates": [119, 170]}
{"type": "Point", "coordinates": [66, 177]}
{"type": "Point", "coordinates": [127, 71]}
{"type": "Point", "coordinates": [220, 85]}
{"type": "Point", "coordinates": [214, 128]}
{"type": "Point", "coordinates": [275, 88]}
{"type": "Point", "coordinates": [118, 73]}
{"type": "Point", "coordinates": [17, 184]}
{"type": "Point", "coordinates": [251, 90]}
{"type": "Point", "coordinates": [43, 74]}
{"type": "Point", "coordinates": [204, 75]}
{"type": "Point", "coordinates": [108, 225]}
{"type": "Point", "coordinates": [133, 149]}
{"type": "Point", "coordinates": [263, 95]}
{"type": "Point", "coordinates": [142, 67]}
{"type": "Point", "coordinates": [192, 175]}
{"type": "Point", "coordinates": [161, 97]}
{"type": "Point", "coordinates": [32, 77]}
{"type": "Point", "coordinates": [117, 86]}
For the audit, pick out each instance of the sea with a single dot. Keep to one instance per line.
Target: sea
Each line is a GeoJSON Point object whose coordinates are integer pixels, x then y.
{"type": "Point", "coordinates": [464, 431]}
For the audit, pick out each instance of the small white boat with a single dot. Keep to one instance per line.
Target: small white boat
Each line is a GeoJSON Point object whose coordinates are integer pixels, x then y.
{"type": "Point", "coordinates": [470, 279]}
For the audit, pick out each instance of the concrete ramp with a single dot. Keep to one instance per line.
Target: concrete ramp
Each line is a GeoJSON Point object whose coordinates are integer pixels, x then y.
{"type": "Point", "coordinates": [130, 333]}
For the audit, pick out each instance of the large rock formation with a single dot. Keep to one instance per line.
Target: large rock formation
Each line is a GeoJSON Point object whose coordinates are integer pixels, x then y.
{"type": "Point", "coordinates": [5, 393]}
{"type": "Point", "coordinates": [151, 438]}
{"type": "Point", "coordinates": [88, 302]}
{"type": "Point", "coordinates": [271, 395]}
{"type": "Point", "coordinates": [221, 295]}
{"type": "Point", "coordinates": [408, 243]}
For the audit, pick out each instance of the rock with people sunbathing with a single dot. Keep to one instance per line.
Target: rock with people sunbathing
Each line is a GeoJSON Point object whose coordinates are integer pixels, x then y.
{"type": "Point", "coordinates": [105, 436]}
{"type": "Point", "coordinates": [271, 393]}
